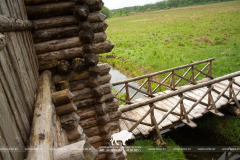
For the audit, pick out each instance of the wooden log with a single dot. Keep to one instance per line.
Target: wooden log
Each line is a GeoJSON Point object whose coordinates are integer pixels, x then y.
{"type": "Point", "coordinates": [107, 137]}
{"type": "Point", "coordinates": [91, 59]}
{"type": "Point", "coordinates": [89, 48]}
{"type": "Point", "coordinates": [104, 129]}
{"type": "Point", "coordinates": [88, 123]}
{"type": "Point", "coordinates": [103, 119]}
{"type": "Point", "coordinates": [111, 156]}
{"type": "Point", "coordinates": [71, 77]}
{"type": "Point", "coordinates": [83, 25]}
{"type": "Point", "coordinates": [3, 41]}
{"type": "Point", "coordinates": [86, 36]}
{"type": "Point", "coordinates": [74, 133]}
{"type": "Point", "coordinates": [50, 10]}
{"type": "Point", "coordinates": [62, 97]}
{"type": "Point", "coordinates": [80, 150]}
{"type": "Point", "coordinates": [35, 2]}
{"type": "Point", "coordinates": [96, 17]}
{"type": "Point", "coordinates": [107, 88]}
{"type": "Point", "coordinates": [66, 20]}
{"type": "Point", "coordinates": [86, 113]}
{"type": "Point", "coordinates": [113, 106]}
{"type": "Point", "coordinates": [85, 103]}
{"type": "Point", "coordinates": [114, 125]}
{"type": "Point", "coordinates": [63, 67]}
{"type": "Point", "coordinates": [98, 144]}
{"type": "Point", "coordinates": [69, 121]}
{"type": "Point", "coordinates": [54, 33]}
{"type": "Point", "coordinates": [94, 5]}
{"type": "Point", "coordinates": [104, 68]}
{"type": "Point", "coordinates": [90, 132]}
{"type": "Point", "coordinates": [64, 85]}
{"type": "Point", "coordinates": [65, 43]}
{"type": "Point", "coordinates": [61, 134]}
{"type": "Point", "coordinates": [94, 70]}
{"type": "Point", "coordinates": [11, 24]}
{"type": "Point", "coordinates": [94, 81]}
{"type": "Point", "coordinates": [47, 64]}
{"type": "Point", "coordinates": [81, 12]}
{"type": "Point", "coordinates": [78, 64]}
{"type": "Point", "coordinates": [115, 115]}
{"type": "Point", "coordinates": [100, 37]}
{"type": "Point", "coordinates": [121, 156]}
{"type": "Point", "coordinates": [80, 1]}
{"type": "Point", "coordinates": [101, 109]}
{"type": "Point", "coordinates": [109, 97]}
{"type": "Point", "coordinates": [82, 94]}
{"type": "Point", "coordinates": [101, 156]}
{"type": "Point", "coordinates": [78, 85]}
{"type": "Point", "coordinates": [104, 47]}
{"type": "Point", "coordinates": [66, 109]}
{"type": "Point", "coordinates": [94, 139]}
{"type": "Point", "coordinates": [98, 92]}
{"type": "Point", "coordinates": [41, 134]}
{"type": "Point", "coordinates": [53, 89]}
{"type": "Point", "coordinates": [99, 26]}
{"type": "Point", "coordinates": [83, 137]}
{"type": "Point", "coordinates": [77, 52]}
{"type": "Point", "coordinates": [60, 21]}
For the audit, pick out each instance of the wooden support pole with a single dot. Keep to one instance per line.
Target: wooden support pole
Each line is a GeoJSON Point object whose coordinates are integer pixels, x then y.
{"type": "Point", "coordinates": [183, 108]}
{"type": "Point", "coordinates": [80, 151]}
{"type": "Point", "coordinates": [42, 134]}
{"type": "Point", "coordinates": [11, 24]}
{"type": "Point", "coordinates": [127, 92]}
{"type": "Point", "coordinates": [173, 80]}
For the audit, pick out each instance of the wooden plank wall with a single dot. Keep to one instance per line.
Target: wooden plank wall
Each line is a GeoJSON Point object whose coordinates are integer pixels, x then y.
{"type": "Point", "coordinates": [18, 81]}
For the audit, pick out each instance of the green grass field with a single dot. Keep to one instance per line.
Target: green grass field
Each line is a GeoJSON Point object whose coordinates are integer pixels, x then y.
{"type": "Point", "coordinates": [158, 40]}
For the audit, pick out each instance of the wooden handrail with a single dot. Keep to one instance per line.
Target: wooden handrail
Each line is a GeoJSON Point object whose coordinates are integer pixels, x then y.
{"type": "Point", "coordinates": [177, 92]}
{"type": "Point", "coordinates": [162, 72]}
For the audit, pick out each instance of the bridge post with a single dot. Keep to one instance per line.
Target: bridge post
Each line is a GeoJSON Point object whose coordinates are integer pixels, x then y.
{"type": "Point", "coordinates": [127, 92]}
{"type": "Point", "coordinates": [192, 74]}
{"type": "Point", "coordinates": [173, 81]}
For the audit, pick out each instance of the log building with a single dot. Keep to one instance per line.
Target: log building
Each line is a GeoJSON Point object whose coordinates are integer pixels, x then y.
{"type": "Point", "coordinates": [54, 95]}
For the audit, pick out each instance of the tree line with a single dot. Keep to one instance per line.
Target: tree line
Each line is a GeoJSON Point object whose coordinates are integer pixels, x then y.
{"type": "Point", "coordinates": [166, 4]}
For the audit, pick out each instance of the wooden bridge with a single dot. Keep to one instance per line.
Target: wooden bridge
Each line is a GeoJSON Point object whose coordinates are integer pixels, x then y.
{"type": "Point", "coordinates": [199, 94]}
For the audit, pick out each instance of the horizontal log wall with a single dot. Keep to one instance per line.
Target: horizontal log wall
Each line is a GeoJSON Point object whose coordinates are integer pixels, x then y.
{"type": "Point", "coordinates": [18, 78]}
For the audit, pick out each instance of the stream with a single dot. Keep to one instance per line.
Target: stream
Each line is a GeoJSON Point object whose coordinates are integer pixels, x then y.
{"type": "Point", "coordinates": [181, 134]}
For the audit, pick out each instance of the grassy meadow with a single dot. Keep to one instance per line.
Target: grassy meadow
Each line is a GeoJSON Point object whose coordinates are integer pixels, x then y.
{"type": "Point", "coordinates": [158, 40]}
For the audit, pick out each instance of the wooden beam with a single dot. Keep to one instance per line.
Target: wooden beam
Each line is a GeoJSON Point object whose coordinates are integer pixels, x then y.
{"type": "Point", "coordinates": [94, 5]}
{"type": "Point", "coordinates": [62, 97]}
{"type": "Point", "coordinates": [35, 2]}
{"type": "Point", "coordinates": [11, 24]}
{"type": "Point", "coordinates": [41, 134]}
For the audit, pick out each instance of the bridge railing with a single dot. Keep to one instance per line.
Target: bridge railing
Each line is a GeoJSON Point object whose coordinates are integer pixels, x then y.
{"type": "Point", "coordinates": [183, 111]}
{"type": "Point", "coordinates": [171, 81]}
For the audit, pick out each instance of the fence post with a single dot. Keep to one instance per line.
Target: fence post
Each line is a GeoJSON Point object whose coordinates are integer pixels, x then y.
{"type": "Point", "coordinates": [127, 92]}
{"type": "Point", "coordinates": [173, 80]}
{"type": "Point", "coordinates": [149, 86]}
{"type": "Point", "coordinates": [192, 74]}
{"type": "Point", "coordinates": [210, 68]}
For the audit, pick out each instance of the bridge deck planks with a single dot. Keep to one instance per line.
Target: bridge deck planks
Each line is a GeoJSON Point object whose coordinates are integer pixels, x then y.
{"type": "Point", "coordinates": [168, 103]}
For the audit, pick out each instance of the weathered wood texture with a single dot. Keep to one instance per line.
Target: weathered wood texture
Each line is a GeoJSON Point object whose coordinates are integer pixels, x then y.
{"type": "Point", "coordinates": [67, 20]}
{"type": "Point", "coordinates": [18, 82]}
{"type": "Point", "coordinates": [3, 41]}
{"type": "Point", "coordinates": [42, 133]}
{"type": "Point", "coordinates": [50, 10]}
{"type": "Point", "coordinates": [11, 24]}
